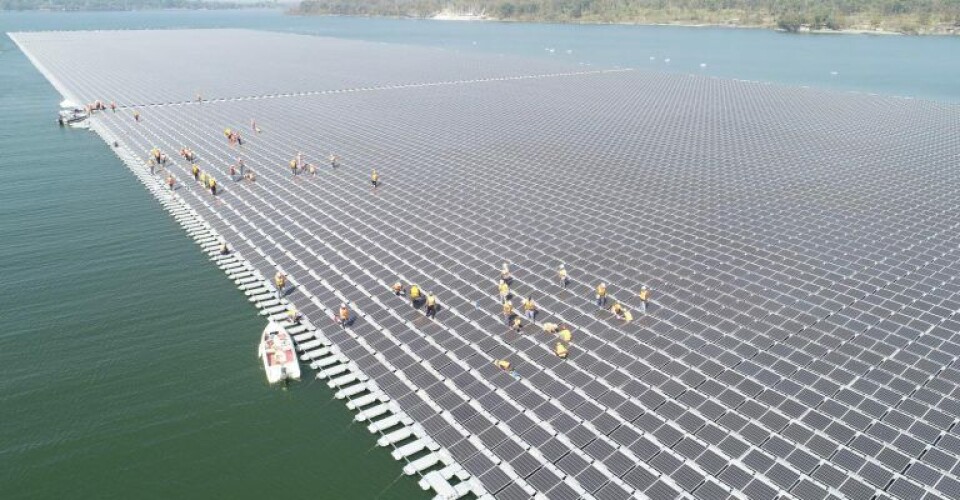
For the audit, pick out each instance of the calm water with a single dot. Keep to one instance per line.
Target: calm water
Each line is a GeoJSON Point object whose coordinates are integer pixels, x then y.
{"type": "Point", "coordinates": [129, 365]}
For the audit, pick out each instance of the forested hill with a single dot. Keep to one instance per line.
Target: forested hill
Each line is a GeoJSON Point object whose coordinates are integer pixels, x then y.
{"type": "Point", "coordinates": [104, 5]}
{"type": "Point", "coordinates": [908, 16]}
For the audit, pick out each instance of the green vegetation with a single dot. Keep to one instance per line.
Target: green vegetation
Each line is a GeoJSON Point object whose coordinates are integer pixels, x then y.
{"type": "Point", "coordinates": [104, 5]}
{"type": "Point", "coordinates": [907, 16]}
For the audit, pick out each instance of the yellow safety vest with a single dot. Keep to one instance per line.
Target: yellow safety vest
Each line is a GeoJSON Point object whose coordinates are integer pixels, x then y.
{"type": "Point", "coordinates": [431, 300]}
{"type": "Point", "coordinates": [560, 350]}
{"type": "Point", "coordinates": [414, 291]}
{"type": "Point", "coordinates": [565, 335]}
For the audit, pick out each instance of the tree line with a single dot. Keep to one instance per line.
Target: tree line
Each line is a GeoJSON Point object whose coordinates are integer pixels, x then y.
{"type": "Point", "coordinates": [106, 5]}
{"type": "Point", "coordinates": [791, 15]}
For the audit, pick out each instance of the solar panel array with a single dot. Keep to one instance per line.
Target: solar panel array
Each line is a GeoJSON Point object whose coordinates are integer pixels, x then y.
{"type": "Point", "coordinates": [801, 245]}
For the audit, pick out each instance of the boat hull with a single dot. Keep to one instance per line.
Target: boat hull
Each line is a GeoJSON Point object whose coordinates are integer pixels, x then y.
{"type": "Point", "coordinates": [278, 354]}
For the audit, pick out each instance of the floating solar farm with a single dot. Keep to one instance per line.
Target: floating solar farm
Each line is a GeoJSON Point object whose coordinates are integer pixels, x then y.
{"type": "Point", "coordinates": [802, 248]}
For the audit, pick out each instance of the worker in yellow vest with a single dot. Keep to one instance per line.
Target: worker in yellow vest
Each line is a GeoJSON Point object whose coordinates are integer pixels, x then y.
{"type": "Point", "coordinates": [293, 166]}
{"type": "Point", "coordinates": [414, 295]}
{"type": "Point", "coordinates": [530, 309]}
{"type": "Point", "coordinates": [617, 310]}
{"type": "Point", "coordinates": [213, 185]}
{"type": "Point", "coordinates": [504, 291]}
{"type": "Point", "coordinates": [375, 179]}
{"type": "Point", "coordinates": [503, 364]}
{"type": "Point", "coordinates": [562, 276]}
{"type": "Point", "coordinates": [280, 280]}
{"type": "Point", "coordinates": [644, 298]}
{"type": "Point", "coordinates": [431, 305]}
{"type": "Point", "coordinates": [560, 350]}
{"type": "Point", "coordinates": [196, 172]}
{"type": "Point", "coordinates": [601, 295]}
{"type": "Point", "coordinates": [507, 312]}
{"type": "Point", "coordinates": [294, 315]}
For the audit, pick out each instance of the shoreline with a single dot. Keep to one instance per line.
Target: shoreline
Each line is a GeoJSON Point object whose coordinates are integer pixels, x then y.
{"type": "Point", "coordinates": [680, 24]}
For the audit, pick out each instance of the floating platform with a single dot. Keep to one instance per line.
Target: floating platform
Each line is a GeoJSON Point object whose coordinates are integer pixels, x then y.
{"type": "Point", "coordinates": [802, 248]}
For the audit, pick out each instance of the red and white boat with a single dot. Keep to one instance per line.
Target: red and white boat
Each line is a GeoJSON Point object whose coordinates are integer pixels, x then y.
{"type": "Point", "coordinates": [278, 354]}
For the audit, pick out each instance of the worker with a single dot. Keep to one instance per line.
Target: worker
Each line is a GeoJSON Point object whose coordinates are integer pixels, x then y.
{"type": "Point", "coordinates": [344, 315]}
{"type": "Point", "coordinates": [505, 274]}
{"type": "Point", "coordinates": [196, 172]}
{"type": "Point", "coordinates": [627, 316]}
{"type": "Point", "coordinates": [564, 335]}
{"type": "Point", "coordinates": [504, 291]}
{"type": "Point", "coordinates": [224, 249]}
{"type": "Point", "coordinates": [508, 312]}
{"type": "Point", "coordinates": [152, 164]}
{"type": "Point", "coordinates": [550, 328]}
{"type": "Point", "coordinates": [617, 310]}
{"type": "Point", "coordinates": [398, 289]}
{"type": "Point", "coordinates": [644, 296]}
{"type": "Point", "coordinates": [136, 116]}
{"type": "Point", "coordinates": [505, 365]}
{"type": "Point", "coordinates": [312, 169]}
{"type": "Point", "coordinates": [240, 166]}
{"type": "Point", "coordinates": [601, 295]}
{"type": "Point", "coordinates": [375, 179]}
{"type": "Point", "coordinates": [414, 295]}
{"type": "Point", "coordinates": [280, 280]}
{"type": "Point", "coordinates": [293, 166]}
{"type": "Point", "coordinates": [294, 315]}
{"type": "Point", "coordinates": [530, 309]}
{"type": "Point", "coordinates": [560, 350]}
{"type": "Point", "coordinates": [431, 305]}
{"type": "Point", "coordinates": [203, 179]}
{"type": "Point", "coordinates": [113, 106]}
{"type": "Point", "coordinates": [233, 172]}
{"type": "Point", "coordinates": [251, 176]}
{"type": "Point", "coordinates": [213, 185]}
{"type": "Point", "coordinates": [171, 182]}
{"type": "Point", "coordinates": [517, 324]}
{"type": "Point", "coordinates": [562, 276]}
{"type": "Point", "coordinates": [334, 160]}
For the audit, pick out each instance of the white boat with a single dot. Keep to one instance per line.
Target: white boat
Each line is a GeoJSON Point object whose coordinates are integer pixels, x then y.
{"type": "Point", "coordinates": [278, 354]}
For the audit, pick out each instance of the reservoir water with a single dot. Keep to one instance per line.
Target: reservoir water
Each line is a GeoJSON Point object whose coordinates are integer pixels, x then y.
{"type": "Point", "coordinates": [129, 365]}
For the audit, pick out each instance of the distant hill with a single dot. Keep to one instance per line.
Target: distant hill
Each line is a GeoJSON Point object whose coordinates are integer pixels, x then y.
{"type": "Point", "coordinates": [903, 16]}
{"type": "Point", "coordinates": [104, 5]}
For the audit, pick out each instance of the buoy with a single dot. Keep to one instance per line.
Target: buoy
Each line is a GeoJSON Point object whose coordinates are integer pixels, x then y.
{"type": "Point", "coordinates": [703, 65]}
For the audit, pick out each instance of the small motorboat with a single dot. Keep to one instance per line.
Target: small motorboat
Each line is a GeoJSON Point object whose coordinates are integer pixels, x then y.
{"type": "Point", "coordinates": [278, 354]}
{"type": "Point", "coordinates": [71, 116]}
